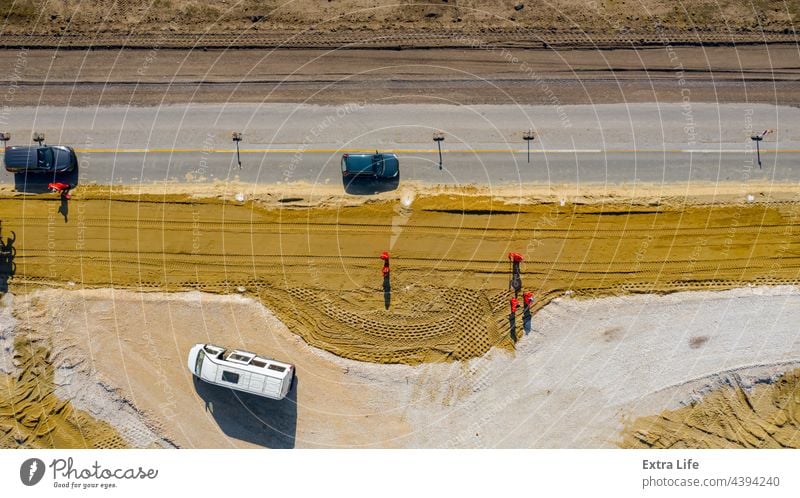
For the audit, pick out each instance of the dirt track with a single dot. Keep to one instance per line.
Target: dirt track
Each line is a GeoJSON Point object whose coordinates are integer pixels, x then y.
{"type": "Point", "coordinates": [766, 74]}
{"type": "Point", "coordinates": [317, 267]}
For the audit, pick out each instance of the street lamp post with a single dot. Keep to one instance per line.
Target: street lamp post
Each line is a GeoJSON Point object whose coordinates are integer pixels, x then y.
{"type": "Point", "coordinates": [528, 136]}
{"type": "Point", "coordinates": [38, 138]}
{"type": "Point", "coordinates": [237, 137]}
{"type": "Point", "coordinates": [438, 137]}
{"type": "Point", "coordinates": [757, 139]}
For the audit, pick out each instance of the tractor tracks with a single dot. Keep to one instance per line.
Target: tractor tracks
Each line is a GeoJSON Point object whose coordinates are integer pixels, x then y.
{"type": "Point", "coordinates": [427, 38]}
{"type": "Point", "coordinates": [447, 296]}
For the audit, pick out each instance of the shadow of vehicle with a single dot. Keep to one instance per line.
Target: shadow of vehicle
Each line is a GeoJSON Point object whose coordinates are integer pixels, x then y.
{"type": "Point", "coordinates": [7, 265]}
{"type": "Point", "coordinates": [36, 183]}
{"type": "Point", "coordinates": [369, 186]}
{"type": "Point", "coordinates": [258, 420]}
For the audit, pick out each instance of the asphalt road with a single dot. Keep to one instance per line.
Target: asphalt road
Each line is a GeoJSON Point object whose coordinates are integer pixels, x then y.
{"type": "Point", "coordinates": [651, 143]}
{"type": "Point", "coordinates": [492, 168]}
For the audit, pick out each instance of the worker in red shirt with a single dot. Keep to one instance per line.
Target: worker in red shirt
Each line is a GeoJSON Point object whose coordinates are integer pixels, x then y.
{"type": "Point", "coordinates": [527, 300]}
{"type": "Point", "coordinates": [385, 258]}
{"type": "Point", "coordinates": [62, 188]}
{"type": "Point", "coordinates": [387, 285]}
{"type": "Point", "coordinates": [512, 319]}
{"type": "Point", "coordinates": [516, 279]}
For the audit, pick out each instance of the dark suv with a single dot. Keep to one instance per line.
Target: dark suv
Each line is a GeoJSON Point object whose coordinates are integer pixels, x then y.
{"type": "Point", "coordinates": [382, 166]}
{"type": "Point", "coordinates": [40, 159]}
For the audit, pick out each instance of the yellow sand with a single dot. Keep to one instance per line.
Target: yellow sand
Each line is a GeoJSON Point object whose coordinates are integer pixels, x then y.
{"type": "Point", "coordinates": [317, 266]}
{"type": "Point", "coordinates": [768, 416]}
{"type": "Point", "coordinates": [32, 416]}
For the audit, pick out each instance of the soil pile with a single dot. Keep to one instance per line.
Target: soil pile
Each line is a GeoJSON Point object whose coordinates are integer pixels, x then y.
{"type": "Point", "coordinates": [764, 416]}
{"type": "Point", "coordinates": [448, 294]}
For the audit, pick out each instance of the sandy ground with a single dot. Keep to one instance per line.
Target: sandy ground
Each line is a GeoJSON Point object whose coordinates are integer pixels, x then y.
{"type": "Point", "coordinates": [488, 75]}
{"type": "Point", "coordinates": [302, 194]}
{"type": "Point", "coordinates": [50, 401]}
{"type": "Point", "coordinates": [587, 368]}
{"type": "Point", "coordinates": [759, 412]}
{"type": "Point", "coordinates": [448, 294]}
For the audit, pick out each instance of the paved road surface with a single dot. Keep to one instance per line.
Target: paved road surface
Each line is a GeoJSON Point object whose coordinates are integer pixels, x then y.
{"type": "Point", "coordinates": [483, 144]}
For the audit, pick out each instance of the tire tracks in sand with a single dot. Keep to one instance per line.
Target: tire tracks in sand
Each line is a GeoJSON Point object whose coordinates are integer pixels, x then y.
{"type": "Point", "coordinates": [317, 267]}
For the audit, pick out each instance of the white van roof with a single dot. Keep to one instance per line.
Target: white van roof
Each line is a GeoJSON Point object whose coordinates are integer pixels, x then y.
{"type": "Point", "coordinates": [246, 361]}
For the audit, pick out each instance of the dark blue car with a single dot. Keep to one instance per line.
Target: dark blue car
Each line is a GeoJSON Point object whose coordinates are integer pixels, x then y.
{"type": "Point", "coordinates": [40, 159]}
{"type": "Point", "coordinates": [381, 166]}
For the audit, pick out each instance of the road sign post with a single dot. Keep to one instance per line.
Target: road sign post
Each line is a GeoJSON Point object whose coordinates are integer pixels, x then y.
{"type": "Point", "coordinates": [237, 137]}
{"type": "Point", "coordinates": [38, 138]}
{"type": "Point", "coordinates": [438, 137]}
{"type": "Point", "coordinates": [757, 139]}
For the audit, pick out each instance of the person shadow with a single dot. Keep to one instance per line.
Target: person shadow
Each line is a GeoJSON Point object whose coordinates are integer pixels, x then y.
{"type": "Point", "coordinates": [512, 323]}
{"type": "Point", "coordinates": [526, 320]}
{"type": "Point", "coordinates": [7, 265]}
{"type": "Point", "coordinates": [387, 291]}
{"type": "Point", "coordinates": [63, 209]}
{"type": "Point", "coordinates": [258, 420]}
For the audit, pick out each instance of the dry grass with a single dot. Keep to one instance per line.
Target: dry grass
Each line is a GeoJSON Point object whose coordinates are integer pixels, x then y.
{"type": "Point", "coordinates": [559, 15]}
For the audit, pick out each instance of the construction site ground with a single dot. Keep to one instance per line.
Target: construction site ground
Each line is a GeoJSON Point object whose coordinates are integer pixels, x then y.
{"type": "Point", "coordinates": [309, 262]}
{"type": "Point", "coordinates": [590, 374]}
{"type": "Point", "coordinates": [665, 312]}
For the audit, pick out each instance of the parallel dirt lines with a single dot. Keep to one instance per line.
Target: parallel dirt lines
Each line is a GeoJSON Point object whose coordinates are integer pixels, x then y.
{"type": "Point", "coordinates": [447, 297]}
{"type": "Point", "coordinates": [428, 38]}
{"type": "Point", "coordinates": [271, 227]}
{"type": "Point", "coordinates": [284, 264]}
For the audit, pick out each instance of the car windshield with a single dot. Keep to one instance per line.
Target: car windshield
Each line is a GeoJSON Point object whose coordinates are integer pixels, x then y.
{"type": "Point", "coordinates": [45, 157]}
